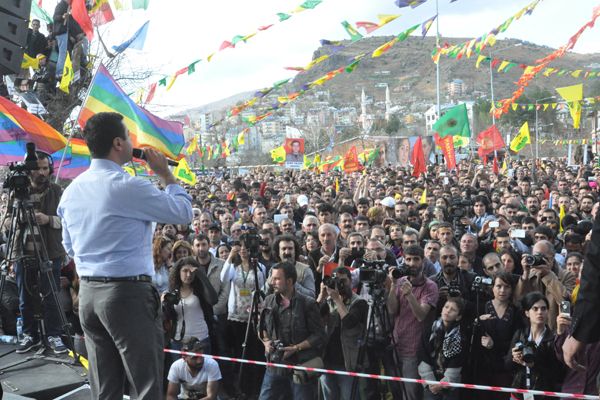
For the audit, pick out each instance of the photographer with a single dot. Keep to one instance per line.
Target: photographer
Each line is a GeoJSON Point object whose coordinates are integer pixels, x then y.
{"type": "Point", "coordinates": [292, 332]}
{"type": "Point", "coordinates": [410, 302]}
{"type": "Point", "coordinates": [345, 326]}
{"type": "Point", "coordinates": [542, 274]}
{"type": "Point", "coordinates": [45, 197]}
{"type": "Point", "coordinates": [531, 355]}
{"type": "Point", "coordinates": [189, 304]}
{"type": "Point", "coordinates": [452, 281]}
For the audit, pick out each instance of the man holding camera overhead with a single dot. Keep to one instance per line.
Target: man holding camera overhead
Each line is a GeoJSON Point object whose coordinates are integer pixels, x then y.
{"type": "Point", "coordinates": [410, 302]}
{"type": "Point", "coordinates": [542, 274]}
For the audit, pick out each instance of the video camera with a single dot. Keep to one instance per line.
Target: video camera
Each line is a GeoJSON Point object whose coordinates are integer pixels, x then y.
{"type": "Point", "coordinates": [481, 284]}
{"type": "Point", "coordinates": [459, 209]}
{"type": "Point", "coordinates": [18, 180]}
{"type": "Point", "coordinates": [334, 282]}
{"type": "Point", "coordinates": [377, 271]}
{"type": "Point", "coordinates": [251, 240]}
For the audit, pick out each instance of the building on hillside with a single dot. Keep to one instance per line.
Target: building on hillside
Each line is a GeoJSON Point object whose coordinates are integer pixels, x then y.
{"type": "Point", "coordinates": [456, 88]}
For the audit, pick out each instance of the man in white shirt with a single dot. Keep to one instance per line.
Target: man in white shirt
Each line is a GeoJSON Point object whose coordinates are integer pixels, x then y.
{"type": "Point", "coordinates": [193, 377]}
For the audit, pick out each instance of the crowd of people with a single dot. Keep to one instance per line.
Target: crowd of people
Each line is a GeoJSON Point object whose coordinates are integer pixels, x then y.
{"type": "Point", "coordinates": [453, 276]}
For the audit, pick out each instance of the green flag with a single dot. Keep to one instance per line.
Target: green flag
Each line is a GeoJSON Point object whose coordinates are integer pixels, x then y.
{"type": "Point", "coordinates": [454, 122]}
{"type": "Point", "coordinates": [140, 4]}
{"type": "Point", "coordinates": [354, 34]}
{"type": "Point", "coordinates": [39, 12]}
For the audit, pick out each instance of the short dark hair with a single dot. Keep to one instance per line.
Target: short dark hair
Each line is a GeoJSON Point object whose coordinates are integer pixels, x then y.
{"type": "Point", "coordinates": [100, 131]}
{"type": "Point", "coordinates": [200, 237]}
{"type": "Point", "coordinates": [414, 250]}
{"type": "Point", "coordinates": [193, 345]}
{"type": "Point", "coordinates": [289, 270]}
{"type": "Point", "coordinates": [531, 298]}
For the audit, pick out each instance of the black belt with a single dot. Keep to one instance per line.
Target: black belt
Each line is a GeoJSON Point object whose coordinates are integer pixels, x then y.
{"type": "Point", "coordinates": [105, 279]}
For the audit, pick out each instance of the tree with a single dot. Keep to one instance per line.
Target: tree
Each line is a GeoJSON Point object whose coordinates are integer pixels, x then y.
{"type": "Point", "coordinates": [393, 125]}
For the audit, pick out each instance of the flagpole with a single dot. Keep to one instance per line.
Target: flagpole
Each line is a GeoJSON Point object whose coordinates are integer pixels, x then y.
{"type": "Point", "coordinates": [87, 93]}
{"type": "Point", "coordinates": [62, 157]}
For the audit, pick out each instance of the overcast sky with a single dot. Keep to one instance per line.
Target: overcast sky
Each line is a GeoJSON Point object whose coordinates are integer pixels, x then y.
{"type": "Point", "coordinates": [182, 31]}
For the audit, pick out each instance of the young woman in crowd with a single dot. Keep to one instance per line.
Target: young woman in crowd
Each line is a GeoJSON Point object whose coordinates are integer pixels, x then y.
{"type": "Point", "coordinates": [531, 355]}
{"type": "Point", "coordinates": [161, 255]}
{"type": "Point", "coordinates": [243, 280]}
{"type": "Point", "coordinates": [182, 249]}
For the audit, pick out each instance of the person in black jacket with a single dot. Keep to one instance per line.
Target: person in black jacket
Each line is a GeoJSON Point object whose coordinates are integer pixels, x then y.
{"type": "Point", "coordinates": [586, 319]}
{"type": "Point", "coordinates": [531, 354]}
{"type": "Point", "coordinates": [443, 351]}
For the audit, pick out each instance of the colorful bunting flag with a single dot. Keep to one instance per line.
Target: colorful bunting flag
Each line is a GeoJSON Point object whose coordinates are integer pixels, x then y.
{"type": "Point", "coordinates": [573, 95]}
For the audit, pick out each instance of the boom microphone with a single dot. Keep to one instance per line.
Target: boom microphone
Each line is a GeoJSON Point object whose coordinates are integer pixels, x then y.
{"type": "Point", "coordinates": [139, 153]}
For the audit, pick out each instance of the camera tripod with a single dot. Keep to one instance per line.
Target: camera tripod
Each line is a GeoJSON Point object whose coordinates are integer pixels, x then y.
{"type": "Point", "coordinates": [257, 297]}
{"type": "Point", "coordinates": [377, 312]}
{"type": "Point", "coordinates": [34, 267]}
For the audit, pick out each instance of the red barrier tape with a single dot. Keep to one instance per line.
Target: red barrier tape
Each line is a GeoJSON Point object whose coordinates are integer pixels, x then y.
{"type": "Point", "coordinates": [393, 378]}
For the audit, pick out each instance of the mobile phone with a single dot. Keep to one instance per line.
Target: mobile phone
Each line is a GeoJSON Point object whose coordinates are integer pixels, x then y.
{"type": "Point", "coordinates": [446, 180]}
{"type": "Point", "coordinates": [518, 233]}
{"type": "Point", "coordinates": [287, 198]}
{"type": "Point", "coordinates": [277, 218]}
{"type": "Point", "coordinates": [494, 224]}
{"type": "Point", "coordinates": [591, 179]}
{"type": "Point", "coordinates": [565, 307]}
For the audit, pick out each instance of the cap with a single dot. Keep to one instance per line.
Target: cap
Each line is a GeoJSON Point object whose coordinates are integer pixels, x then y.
{"type": "Point", "coordinates": [433, 223]}
{"type": "Point", "coordinates": [302, 200]}
{"type": "Point", "coordinates": [409, 200]}
{"type": "Point", "coordinates": [388, 202]}
{"type": "Point", "coordinates": [214, 226]}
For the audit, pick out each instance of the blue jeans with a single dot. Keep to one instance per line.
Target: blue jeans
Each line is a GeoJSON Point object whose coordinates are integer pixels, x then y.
{"type": "Point", "coordinates": [282, 387]}
{"type": "Point", "coordinates": [62, 42]}
{"type": "Point", "coordinates": [26, 277]}
{"type": "Point", "coordinates": [336, 387]}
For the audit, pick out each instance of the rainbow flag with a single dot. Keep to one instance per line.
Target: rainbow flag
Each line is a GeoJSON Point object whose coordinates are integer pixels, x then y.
{"type": "Point", "coordinates": [145, 129]}
{"type": "Point", "coordinates": [80, 160]}
{"type": "Point", "coordinates": [18, 125]}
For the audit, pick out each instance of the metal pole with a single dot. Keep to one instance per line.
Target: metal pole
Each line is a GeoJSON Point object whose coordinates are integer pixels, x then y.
{"type": "Point", "coordinates": [536, 132]}
{"type": "Point", "coordinates": [437, 65]}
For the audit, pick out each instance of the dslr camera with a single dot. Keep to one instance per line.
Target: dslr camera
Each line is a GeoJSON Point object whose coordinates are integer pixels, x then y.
{"type": "Point", "coordinates": [454, 290]}
{"type": "Point", "coordinates": [172, 298]}
{"type": "Point", "coordinates": [276, 354]}
{"type": "Point", "coordinates": [334, 282]}
{"type": "Point", "coordinates": [527, 349]}
{"type": "Point", "coordinates": [533, 260]}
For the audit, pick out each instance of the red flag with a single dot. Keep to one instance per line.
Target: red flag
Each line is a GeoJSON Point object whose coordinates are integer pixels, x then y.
{"type": "Point", "coordinates": [485, 160]}
{"type": "Point", "coordinates": [80, 14]}
{"type": "Point", "coordinates": [489, 141]}
{"type": "Point", "coordinates": [351, 163]}
{"type": "Point", "coordinates": [186, 120]}
{"type": "Point", "coordinates": [103, 14]}
{"type": "Point", "coordinates": [447, 146]}
{"type": "Point", "coordinates": [151, 93]}
{"type": "Point", "coordinates": [417, 158]}
{"type": "Point", "coordinates": [495, 168]}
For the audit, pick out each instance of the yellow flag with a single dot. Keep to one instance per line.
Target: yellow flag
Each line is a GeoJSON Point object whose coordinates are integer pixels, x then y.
{"type": "Point", "coordinates": [479, 60]}
{"type": "Point", "coordinates": [521, 139]}
{"type": "Point", "coordinates": [278, 154]}
{"type": "Point", "coordinates": [503, 65]}
{"type": "Point", "coordinates": [337, 185]}
{"type": "Point", "coordinates": [129, 170]}
{"type": "Point", "coordinates": [241, 138]}
{"type": "Point", "coordinates": [30, 62]}
{"type": "Point", "coordinates": [504, 167]}
{"type": "Point", "coordinates": [573, 95]}
{"type": "Point", "coordinates": [67, 75]}
{"type": "Point", "coordinates": [193, 146]}
{"type": "Point", "coordinates": [386, 18]}
{"type": "Point", "coordinates": [423, 199]}
{"type": "Point", "coordinates": [184, 173]}
{"type": "Point", "coordinates": [561, 216]}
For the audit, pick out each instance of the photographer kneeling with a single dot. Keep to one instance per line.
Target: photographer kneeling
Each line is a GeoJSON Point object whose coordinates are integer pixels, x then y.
{"type": "Point", "coordinates": [292, 333]}
{"type": "Point", "coordinates": [346, 322]}
{"type": "Point", "coordinates": [532, 355]}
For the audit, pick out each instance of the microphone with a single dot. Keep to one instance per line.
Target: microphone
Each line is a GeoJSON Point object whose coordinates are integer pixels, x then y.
{"type": "Point", "coordinates": [139, 153]}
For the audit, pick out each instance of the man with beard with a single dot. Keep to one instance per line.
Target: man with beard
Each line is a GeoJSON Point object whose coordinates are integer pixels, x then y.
{"type": "Point", "coordinates": [292, 320]}
{"type": "Point", "coordinates": [346, 322]}
{"type": "Point", "coordinates": [585, 207]}
{"type": "Point", "coordinates": [451, 280]}
{"type": "Point", "coordinates": [411, 300]}
{"type": "Point", "coordinates": [533, 205]}
{"type": "Point", "coordinates": [45, 197]}
{"type": "Point", "coordinates": [287, 249]}
{"type": "Point", "coordinates": [194, 376]}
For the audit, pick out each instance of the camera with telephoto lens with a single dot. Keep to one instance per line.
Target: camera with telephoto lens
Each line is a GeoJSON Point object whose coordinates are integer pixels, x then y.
{"type": "Point", "coordinates": [172, 298]}
{"type": "Point", "coordinates": [373, 271]}
{"type": "Point", "coordinates": [528, 351]}
{"type": "Point", "coordinates": [481, 283]}
{"type": "Point", "coordinates": [334, 282]}
{"type": "Point", "coordinates": [18, 180]}
{"type": "Point", "coordinates": [276, 353]}
{"type": "Point", "coordinates": [252, 241]}
{"type": "Point", "coordinates": [533, 260]}
{"type": "Point", "coordinates": [401, 271]}
{"type": "Point", "coordinates": [454, 290]}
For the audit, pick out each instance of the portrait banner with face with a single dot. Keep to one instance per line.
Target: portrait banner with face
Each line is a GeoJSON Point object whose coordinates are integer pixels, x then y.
{"type": "Point", "coordinates": [294, 153]}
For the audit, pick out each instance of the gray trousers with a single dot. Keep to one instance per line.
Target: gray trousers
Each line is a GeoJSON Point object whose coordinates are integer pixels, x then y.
{"type": "Point", "coordinates": [122, 324]}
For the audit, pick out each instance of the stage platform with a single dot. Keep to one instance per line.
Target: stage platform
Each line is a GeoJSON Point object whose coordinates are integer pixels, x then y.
{"type": "Point", "coordinates": [41, 379]}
